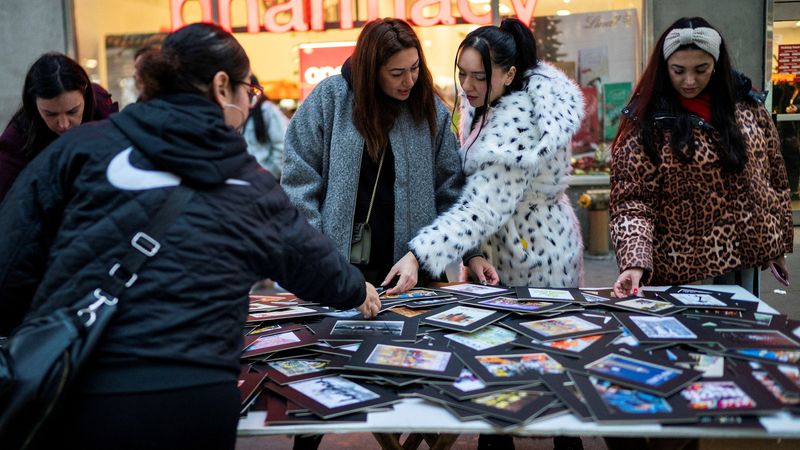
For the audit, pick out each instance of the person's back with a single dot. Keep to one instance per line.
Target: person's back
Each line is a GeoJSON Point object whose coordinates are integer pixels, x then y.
{"type": "Point", "coordinates": [176, 335]}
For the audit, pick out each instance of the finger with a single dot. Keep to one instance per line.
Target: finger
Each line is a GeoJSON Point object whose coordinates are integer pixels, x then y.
{"type": "Point", "coordinates": [392, 273]}
{"type": "Point", "coordinates": [493, 277]}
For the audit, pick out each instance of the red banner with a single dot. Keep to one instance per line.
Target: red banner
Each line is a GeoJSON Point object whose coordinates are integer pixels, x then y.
{"type": "Point", "coordinates": [319, 61]}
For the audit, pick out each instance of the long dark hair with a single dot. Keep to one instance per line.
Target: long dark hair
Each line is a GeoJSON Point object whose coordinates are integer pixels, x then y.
{"type": "Point", "coordinates": [50, 76]}
{"type": "Point", "coordinates": [510, 44]}
{"type": "Point", "coordinates": [189, 59]}
{"type": "Point", "coordinates": [374, 112]}
{"type": "Point", "coordinates": [654, 91]}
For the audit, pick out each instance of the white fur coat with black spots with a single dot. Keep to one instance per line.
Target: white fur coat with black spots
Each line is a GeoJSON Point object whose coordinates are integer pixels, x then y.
{"type": "Point", "coordinates": [514, 204]}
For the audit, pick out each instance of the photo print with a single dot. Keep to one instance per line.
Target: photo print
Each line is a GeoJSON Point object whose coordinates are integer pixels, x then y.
{"type": "Point", "coordinates": [461, 317]}
{"type": "Point", "coordinates": [513, 367]}
{"type": "Point", "coordinates": [485, 338]}
{"type": "Point", "coordinates": [521, 306]}
{"type": "Point", "coordinates": [555, 328]}
{"type": "Point", "coordinates": [384, 355]}
{"type": "Point", "coordinates": [642, 373]}
{"type": "Point", "coordinates": [393, 326]}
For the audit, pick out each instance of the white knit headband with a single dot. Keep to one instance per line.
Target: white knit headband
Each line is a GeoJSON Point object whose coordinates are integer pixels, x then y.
{"type": "Point", "coordinates": [706, 38]}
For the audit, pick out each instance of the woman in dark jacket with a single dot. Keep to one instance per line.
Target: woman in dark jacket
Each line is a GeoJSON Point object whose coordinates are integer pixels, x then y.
{"type": "Point", "coordinates": [165, 372]}
{"type": "Point", "coordinates": [57, 96]}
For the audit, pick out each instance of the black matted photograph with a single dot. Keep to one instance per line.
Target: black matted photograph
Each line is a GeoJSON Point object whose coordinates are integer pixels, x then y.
{"type": "Point", "coordinates": [728, 395]}
{"type": "Point", "coordinates": [396, 327]}
{"type": "Point", "coordinates": [519, 306]}
{"type": "Point", "coordinates": [660, 329]}
{"type": "Point", "coordinates": [270, 343]}
{"type": "Point", "coordinates": [549, 294]}
{"type": "Point", "coordinates": [610, 402]}
{"type": "Point", "coordinates": [285, 371]}
{"type": "Point", "coordinates": [468, 385]}
{"type": "Point", "coordinates": [461, 318]}
{"type": "Point", "coordinates": [641, 372]}
{"type": "Point", "coordinates": [474, 290]}
{"type": "Point", "coordinates": [384, 355]}
{"type": "Point", "coordinates": [560, 327]}
{"type": "Point", "coordinates": [334, 395]}
{"type": "Point", "coordinates": [572, 347]}
{"type": "Point", "coordinates": [516, 366]}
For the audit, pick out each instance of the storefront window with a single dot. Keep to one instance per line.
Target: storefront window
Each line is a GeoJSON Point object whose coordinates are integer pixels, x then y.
{"type": "Point", "coordinates": [596, 42]}
{"type": "Point", "coordinates": [786, 98]}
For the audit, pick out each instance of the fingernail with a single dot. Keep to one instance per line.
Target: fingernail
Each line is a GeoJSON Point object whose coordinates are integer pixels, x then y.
{"type": "Point", "coordinates": [635, 291]}
{"type": "Point", "coordinates": [484, 282]}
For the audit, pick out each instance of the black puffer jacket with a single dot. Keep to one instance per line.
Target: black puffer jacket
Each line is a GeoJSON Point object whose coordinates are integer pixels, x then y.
{"type": "Point", "coordinates": [70, 214]}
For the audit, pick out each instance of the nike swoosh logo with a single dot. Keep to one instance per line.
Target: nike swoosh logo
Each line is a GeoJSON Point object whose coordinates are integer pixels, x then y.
{"type": "Point", "coordinates": [125, 176]}
{"type": "Point", "coordinates": [122, 174]}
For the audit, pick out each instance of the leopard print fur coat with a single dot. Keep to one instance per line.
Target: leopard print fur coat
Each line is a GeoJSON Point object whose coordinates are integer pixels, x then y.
{"type": "Point", "coordinates": [513, 204]}
{"type": "Point", "coordinates": [687, 222]}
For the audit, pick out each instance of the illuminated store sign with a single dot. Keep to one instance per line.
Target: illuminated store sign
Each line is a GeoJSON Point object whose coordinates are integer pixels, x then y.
{"type": "Point", "coordinates": [308, 15]}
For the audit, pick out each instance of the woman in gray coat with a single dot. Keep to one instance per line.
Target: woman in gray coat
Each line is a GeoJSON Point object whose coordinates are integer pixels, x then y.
{"type": "Point", "coordinates": [374, 145]}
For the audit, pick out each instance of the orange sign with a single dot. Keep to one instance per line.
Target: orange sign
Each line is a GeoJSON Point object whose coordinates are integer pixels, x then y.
{"type": "Point", "coordinates": [319, 61]}
{"type": "Point", "coordinates": [307, 15]}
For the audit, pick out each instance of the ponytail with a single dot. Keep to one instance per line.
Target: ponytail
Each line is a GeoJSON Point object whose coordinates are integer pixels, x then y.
{"type": "Point", "coordinates": [525, 44]}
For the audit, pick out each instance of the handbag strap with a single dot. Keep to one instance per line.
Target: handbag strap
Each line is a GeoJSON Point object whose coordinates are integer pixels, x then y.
{"type": "Point", "coordinates": [145, 244]}
{"type": "Point", "coordinates": [375, 188]}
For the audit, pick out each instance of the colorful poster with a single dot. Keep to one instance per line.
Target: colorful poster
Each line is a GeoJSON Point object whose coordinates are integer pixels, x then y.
{"type": "Point", "coordinates": [615, 97]}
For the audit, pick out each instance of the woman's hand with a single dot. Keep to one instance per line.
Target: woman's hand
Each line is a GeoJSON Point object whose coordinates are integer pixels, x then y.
{"type": "Point", "coordinates": [628, 282]}
{"type": "Point", "coordinates": [372, 304]}
{"type": "Point", "coordinates": [406, 269]}
{"type": "Point", "coordinates": [483, 271]}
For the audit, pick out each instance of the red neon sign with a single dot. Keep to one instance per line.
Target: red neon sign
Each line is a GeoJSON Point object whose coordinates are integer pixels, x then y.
{"type": "Point", "coordinates": [309, 14]}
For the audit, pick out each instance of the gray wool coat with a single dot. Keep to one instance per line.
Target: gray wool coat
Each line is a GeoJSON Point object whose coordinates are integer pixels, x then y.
{"type": "Point", "coordinates": [323, 153]}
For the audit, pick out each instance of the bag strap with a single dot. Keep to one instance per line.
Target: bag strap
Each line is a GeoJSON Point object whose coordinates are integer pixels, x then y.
{"type": "Point", "coordinates": [375, 188]}
{"type": "Point", "coordinates": [145, 244]}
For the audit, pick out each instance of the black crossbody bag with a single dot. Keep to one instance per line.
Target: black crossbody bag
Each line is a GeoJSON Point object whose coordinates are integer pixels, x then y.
{"type": "Point", "coordinates": [43, 356]}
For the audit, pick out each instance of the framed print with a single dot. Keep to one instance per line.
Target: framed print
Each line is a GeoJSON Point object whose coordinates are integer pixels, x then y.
{"type": "Point", "coordinates": [573, 347]}
{"type": "Point", "coordinates": [729, 395]}
{"type": "Point", "coordinates": [548, 294]}
{"type": "Point", "coordinates": [270, 343]}
{"type": "Point", "coordinates": [609, 402]}
{"type": "Point", "coordinates": [383, 355]}
{"type": "Point", "coordinates": [556, 328]}
{"type": "Point", "coordinates": [640, 373]}
{"type": "Point", "coordinates": [646, 305]}
{"type": "Point", "coordinates": [474, 290]}
{"type": "Point", "coordinates": [659, 329]}
{"type": "Point", "coordinates": [461, 317]}
{"type": "Point", "coordinates": [288, 370]}
{"type": "Point", "coordinates": [517, 366]}
{"type": "Point", "coordinates": [414, 294]}
{"type": "Point", "coordinates": [699, 300]}
{"type": "Point", "coordinates": [488, 337]}
{"type": "Point", "coordinates": [521, 306]}
{"type": "Point", "coordinates": [733, 338]}
{"type": "Point", "coordinates": [286, 313]}
{"type": "Point", "coordinates": [397, 328]}
{"type": "Point", "coordinates": [468, 386]}
{"type": "Point", "coordinates": [334, 396]}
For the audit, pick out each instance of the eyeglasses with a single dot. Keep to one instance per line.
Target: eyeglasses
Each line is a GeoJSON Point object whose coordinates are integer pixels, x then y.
{"type": "Point", "coordinates": [254, 92]}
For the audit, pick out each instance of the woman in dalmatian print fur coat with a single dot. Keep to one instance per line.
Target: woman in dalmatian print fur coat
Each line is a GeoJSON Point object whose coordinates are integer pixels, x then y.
{"type": "Point", "coordinates": [516, 157]}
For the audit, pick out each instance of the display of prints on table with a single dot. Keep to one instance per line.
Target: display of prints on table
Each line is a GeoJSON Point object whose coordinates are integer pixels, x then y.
{"type": "Point", "coordinates": [485, 338]}
{"type": "Point", "coordinates": [474, 290]}
{"type": "Point", "coordinates": [522, 306]}
{"type": "Point", "coordinates": [461, 318]}
{"type": "Point", "coordinates": [560, 327]}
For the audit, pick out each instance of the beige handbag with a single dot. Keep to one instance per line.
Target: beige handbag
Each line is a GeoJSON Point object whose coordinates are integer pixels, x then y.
{"type": "Point", "coordinates": [361, 242]}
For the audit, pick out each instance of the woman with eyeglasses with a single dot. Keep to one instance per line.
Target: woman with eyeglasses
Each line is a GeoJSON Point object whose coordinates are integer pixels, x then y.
{"type": "Point", "coordinates": [56, 97]}
{"type": "Point", "coordinates": [373, 146]}
{"type": "Point", "coordinates": [164, 374]}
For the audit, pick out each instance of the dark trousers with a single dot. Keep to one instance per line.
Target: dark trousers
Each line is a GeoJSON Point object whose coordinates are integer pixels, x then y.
{"type": "Point", "coordinates": [203, 417]}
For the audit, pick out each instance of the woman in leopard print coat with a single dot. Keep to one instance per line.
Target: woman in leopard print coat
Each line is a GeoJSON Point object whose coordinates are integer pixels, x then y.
{"type": "Point", "coordinates": [698, 185]}
{"type": "Point", "coordinates": [516, 158]}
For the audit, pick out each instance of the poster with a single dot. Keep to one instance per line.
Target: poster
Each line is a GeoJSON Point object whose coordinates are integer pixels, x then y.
{"type": "Point", "coordinates": [615, 98]}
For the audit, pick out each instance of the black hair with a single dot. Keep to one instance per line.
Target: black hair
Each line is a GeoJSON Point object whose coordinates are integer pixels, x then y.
{"type": "Point", "coordinates": [654, 91]}
{"type": "Point", "coordinates": [189, 59]}
{"type": "Point", "coordinates": [50, 76]}
{"type": "Point", "coordinates": [510, 44]}
{"type": "Point", "coordinates": [257, 117]}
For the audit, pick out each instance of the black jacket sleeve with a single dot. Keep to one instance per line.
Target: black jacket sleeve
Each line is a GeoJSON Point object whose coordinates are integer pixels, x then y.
{"type": "Point", "coordinates": [306, 262]}
{"type": "Point", "coordinates": [29, 219]}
